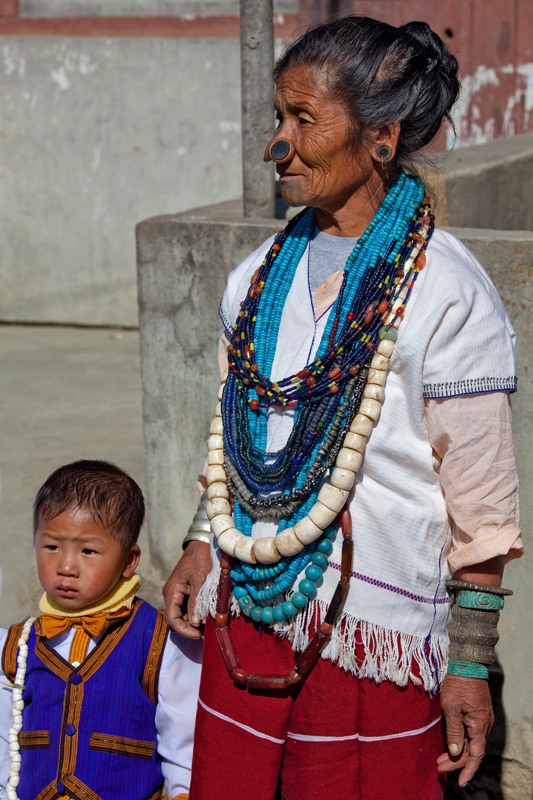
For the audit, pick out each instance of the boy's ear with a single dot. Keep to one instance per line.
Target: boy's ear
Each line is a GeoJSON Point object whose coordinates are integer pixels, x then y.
{"type": "Point", "coordinates": [131, 561]}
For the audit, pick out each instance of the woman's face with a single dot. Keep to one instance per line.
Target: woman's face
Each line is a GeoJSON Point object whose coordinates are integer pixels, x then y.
{"type": "Point", "coordinates": [327, 168]}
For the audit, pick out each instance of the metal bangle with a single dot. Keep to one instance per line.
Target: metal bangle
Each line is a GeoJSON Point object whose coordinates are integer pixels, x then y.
{"type": "Point", "coordinates": [200, 527]}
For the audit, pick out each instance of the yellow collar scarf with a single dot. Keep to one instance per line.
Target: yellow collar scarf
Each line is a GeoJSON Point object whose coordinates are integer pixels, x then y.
{"type": "Point", "coordinates": [94, 618]}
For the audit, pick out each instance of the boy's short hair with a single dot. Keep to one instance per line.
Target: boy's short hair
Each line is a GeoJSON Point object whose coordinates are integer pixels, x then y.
{"type": "Point", "coordinates": [107, 492]}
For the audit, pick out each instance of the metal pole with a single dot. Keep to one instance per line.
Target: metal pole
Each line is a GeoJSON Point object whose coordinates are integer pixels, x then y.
{"type": "Point", "coordinates": [257, 63]}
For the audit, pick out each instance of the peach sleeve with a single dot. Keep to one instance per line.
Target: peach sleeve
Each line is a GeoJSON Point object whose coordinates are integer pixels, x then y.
{"type": "Point", "coordinates": [472, 440]}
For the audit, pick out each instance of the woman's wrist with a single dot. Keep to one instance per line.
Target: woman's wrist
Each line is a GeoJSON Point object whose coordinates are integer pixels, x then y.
{"type": "Point", "coordinates": [473, 633]}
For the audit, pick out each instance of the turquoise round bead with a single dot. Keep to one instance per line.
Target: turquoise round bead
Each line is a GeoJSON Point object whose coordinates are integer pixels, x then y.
{"type": "Point", "coordinates": [299, 600]}
{"type": "Point", "coordinates": [288, 609]}
{"type": "Point", "coordinates": [307, 587]}
{"type": "Point", "coordinates": [319, 559]}
{"type": "Point", "coordinates": [267, 614]}
{"type": "Point", "coordinates": [239, 591]}
{"type": "Point", "coordinates": [279, 614]}
{"type": "Point", "coordinates": [325, 546]}
{"type": "Point", "coordinates": [244, 601]}
{"type": "Point", "coordinates": [313, 573]}
{"type": "Point", "coordinates": [256, 614]}
{"type": "Point", "coordinates": [247, 609]}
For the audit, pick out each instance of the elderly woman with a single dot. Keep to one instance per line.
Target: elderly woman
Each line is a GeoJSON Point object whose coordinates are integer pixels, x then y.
{"type": "Point", "coordinates": [359, 459]}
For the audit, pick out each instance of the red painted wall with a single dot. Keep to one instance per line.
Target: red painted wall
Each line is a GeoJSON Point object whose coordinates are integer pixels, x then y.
{"type": "Point", "coordinates": [493, 42]}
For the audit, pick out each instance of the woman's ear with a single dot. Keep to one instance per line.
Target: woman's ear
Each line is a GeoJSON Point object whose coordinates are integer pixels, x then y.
{"type": "Point", "coordinates": [131, 561]}
{"type": "Point", "coordinates": [384, 142]}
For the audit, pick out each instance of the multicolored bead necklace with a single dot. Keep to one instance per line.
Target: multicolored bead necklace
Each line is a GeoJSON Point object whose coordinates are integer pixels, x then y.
{"type": "Point", "coordinates": [336, 398]}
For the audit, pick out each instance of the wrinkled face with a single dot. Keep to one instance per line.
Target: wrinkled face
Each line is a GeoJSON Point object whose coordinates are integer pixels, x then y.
{"type": "Point", "coordinates": [78, 561]}
{"type": "Point", "coordinates": [326, 167]}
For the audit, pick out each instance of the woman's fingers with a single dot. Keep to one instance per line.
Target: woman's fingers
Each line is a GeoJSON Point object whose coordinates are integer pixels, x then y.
{"type": "Point", "coordinates": [467, 708]}
{"type": "Point", "coordinates": [183, 585]}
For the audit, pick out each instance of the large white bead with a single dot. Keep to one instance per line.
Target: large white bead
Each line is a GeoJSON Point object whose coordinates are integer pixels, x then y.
{"type": "Point", "coordinates": [218, 410]}
{"type": "Point", "coordinates": [215, 442]}
{"type": "Point", "coordinates": [19, 705]}
{"type": "Point", "coordinates": [218, 505]}
{"type": "Point", "coordinates": [332, 497]}
{"type": "Point", "coordinates": [216, 426]}
{"type": "Point", "coordinates": [361, 425]}
{"type": "Point", "coordinates": [307, 531]}
{"type": "Point", "coordinates": [14, 746]}
{"type": "Point", "coordinates": [287, 543]}
{"type": "Point", "coordinates": [225, 375]}
{"type": "Point", "coordinates": [265, 550]}
{"type": "Point", "coordinates": [370, 408]}
{"type": "Point", "coordinates": [12, 737]}
{"type": "Point", "coordinates": [245, 550]}
{"type": "Point", "coordinates": [374, 392]}
{"type": "Point", "coordinates": [215, 457]}
{"type": "Point", "coordinates": [15, 758]}
{"type": "Point", "coordinates": [11, 793]}
{"type": "Point", "coordinates": [385, 348]}
{"type": "Point", "coordinates": [355, 441]}
{"type": "Point", "coordinates": [16, 765]}
{"type": "Point", "coordinates": [217, 489]}
{"type": "Point", "coordinates": [221, 523]}
{"type": "Point", "coordinates": [221, 389]}
{"type": "Point", "coordinates": [215, 473]}
{"type": "Point", "coordinates": [321, 515]}
{"type": "Point", "coordinates": [380, 362]}
{"type": "Point", "coordinates": [349, 459]}
{"type": "Point", "coordinates": [377, 376]}
{"type": "Point", "coordinates": [14, 779]}
{"type": "Point", "coordinates": [342, 478]}
{"type": "Point", "coordinates": [229, 540]}
{"type": "Point", "coordinates": [17, 719]}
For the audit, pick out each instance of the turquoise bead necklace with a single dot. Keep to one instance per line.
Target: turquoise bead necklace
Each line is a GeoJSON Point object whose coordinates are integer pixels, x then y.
{"type": "Point", "coordinates": [325, 395]}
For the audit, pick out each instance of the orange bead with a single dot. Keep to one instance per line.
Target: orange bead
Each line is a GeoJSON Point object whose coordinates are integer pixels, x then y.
{"type": "Point", "coordinates": [354, 370]}
{"type": "Point", "coordinates": [254, 367]}
{"type": "Point", "coordinates": [368, 317]}
{"type": "Point", "coordinates": [311, 382]}
{"type": "Point", "coordinates": [334, 372]}
{"type": "Point", "coordinates": [383, 306]}
{"type": "Point", "coordinates": [247, 353]}
{"type": "Point", "coordinates": [420, 262]}
{"type": "Point", "coordinates": [276, 247]}
{"type": "Point", "coordinates": [400, 311]}
{"type": "Point", "coordinates": [334, 389]}
{"type": "Point", "coordinates": [260, 390]}
{"type": "Point", "coordinates": [304, 373]}
{"type": "Point", "coordinates": [254, 405]}
{"type": "Point", "coordinates": [254, 276]}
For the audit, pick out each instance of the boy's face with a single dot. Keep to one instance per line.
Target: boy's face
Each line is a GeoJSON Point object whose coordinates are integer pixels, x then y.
{"type": "Point", "coordinates": [78, 561]}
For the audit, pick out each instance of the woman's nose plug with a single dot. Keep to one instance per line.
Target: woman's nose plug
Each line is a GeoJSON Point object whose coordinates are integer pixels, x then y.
{"type": "Point", "coordinates": [280, 150]}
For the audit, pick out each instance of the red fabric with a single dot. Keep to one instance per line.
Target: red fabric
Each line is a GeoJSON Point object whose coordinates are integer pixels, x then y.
{"type": "Point", "coordinates": [231, 763]}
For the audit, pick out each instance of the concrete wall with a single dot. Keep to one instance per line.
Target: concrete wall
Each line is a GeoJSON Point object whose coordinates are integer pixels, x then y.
{"type": "Point", "coordinates": [52, 8]}
{"type": "Point", "coordinates": [97, 134]}
{"type": "Point", "coordinates": [183, 262]}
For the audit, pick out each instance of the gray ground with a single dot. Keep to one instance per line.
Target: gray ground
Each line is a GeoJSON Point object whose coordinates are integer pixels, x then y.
{"type": "Point", "coordinates": [65, 393]}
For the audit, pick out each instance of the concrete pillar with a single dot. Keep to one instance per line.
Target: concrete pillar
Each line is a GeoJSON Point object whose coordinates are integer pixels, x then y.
{"type": "Point", "coordinates": [257, 63]}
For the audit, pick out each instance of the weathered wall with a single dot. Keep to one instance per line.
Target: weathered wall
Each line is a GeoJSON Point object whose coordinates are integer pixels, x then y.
{"type": "Point", "coordinates": [52, 8]}
{"type": "Point", "coordinates": [97, 134]}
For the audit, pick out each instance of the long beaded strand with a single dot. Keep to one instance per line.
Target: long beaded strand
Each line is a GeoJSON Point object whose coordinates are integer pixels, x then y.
{"type": "Point", "coordinates": [18, 707]}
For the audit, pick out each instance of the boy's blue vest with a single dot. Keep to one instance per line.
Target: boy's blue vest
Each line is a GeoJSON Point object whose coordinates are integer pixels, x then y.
{"type": "Point", "coordinates": [89, 733]}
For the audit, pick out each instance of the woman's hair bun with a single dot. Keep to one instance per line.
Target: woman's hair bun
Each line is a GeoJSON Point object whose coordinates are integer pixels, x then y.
{"type": "Point", "coordinates": [383, 75]}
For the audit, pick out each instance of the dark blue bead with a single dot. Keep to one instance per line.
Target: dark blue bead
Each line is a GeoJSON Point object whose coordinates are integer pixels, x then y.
{"type": "Point", "coordinates": [60, 787]}
{"type": "Point", "coordinates": [76, 679]}
{"type": "Point", "coordinates": [70, 730]}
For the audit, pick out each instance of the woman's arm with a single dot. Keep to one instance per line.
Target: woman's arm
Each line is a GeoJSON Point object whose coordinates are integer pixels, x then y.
{"type": "Point", "coordinates": [466, 702]}
{"type": "Point", "coordinates": [472, 441]}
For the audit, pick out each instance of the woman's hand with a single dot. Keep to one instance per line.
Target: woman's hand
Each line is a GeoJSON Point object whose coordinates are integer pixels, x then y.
{"type": "Point", "coordinates": [467, 708]}
{"type": "Point", "coordinates": [186, 580]}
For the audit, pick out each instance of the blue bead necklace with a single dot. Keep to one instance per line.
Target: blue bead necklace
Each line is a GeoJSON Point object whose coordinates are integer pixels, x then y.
{"type": "Point", "coordinates": [325, 395]}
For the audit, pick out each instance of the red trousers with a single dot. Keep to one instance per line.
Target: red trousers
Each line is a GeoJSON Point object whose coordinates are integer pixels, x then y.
{"type": "Point", "coordinates": [335, 737]}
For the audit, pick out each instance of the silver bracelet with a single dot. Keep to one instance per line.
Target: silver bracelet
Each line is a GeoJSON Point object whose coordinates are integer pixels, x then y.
{"type": "Point", "coordinates": [200, 528]}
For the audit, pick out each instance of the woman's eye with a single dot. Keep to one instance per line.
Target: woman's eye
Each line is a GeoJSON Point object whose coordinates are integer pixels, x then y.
{"type": "Point", "coordinates": [303, 121]}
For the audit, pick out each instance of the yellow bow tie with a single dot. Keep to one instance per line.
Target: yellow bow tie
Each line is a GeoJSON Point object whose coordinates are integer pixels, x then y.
{"type": "Point", "coordinates": [49, 625]}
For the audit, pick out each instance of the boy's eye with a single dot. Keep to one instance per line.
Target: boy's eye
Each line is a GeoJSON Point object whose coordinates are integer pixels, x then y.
{"type": "Point", "coordinates": [51, 547]}
{"type": "Point", "coordinates": [87, 552]}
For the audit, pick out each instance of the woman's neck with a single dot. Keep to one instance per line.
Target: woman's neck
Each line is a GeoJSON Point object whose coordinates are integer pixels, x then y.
{"type": "Point", "coordinates": [352, 217]}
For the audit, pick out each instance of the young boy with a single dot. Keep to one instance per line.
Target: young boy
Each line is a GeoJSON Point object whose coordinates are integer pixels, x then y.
{"type": "Point", "coordinates": [109, 698]}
